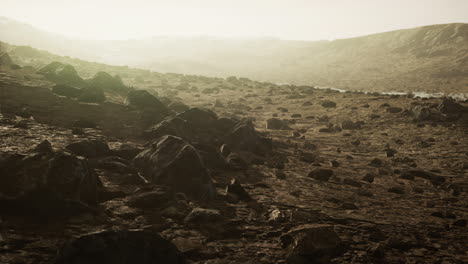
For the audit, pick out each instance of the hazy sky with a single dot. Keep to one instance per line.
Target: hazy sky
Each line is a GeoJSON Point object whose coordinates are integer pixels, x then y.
{"type": "Point", "coordinates": [287, 19]}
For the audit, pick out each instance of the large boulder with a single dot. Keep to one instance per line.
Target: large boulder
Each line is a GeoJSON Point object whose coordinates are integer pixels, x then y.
{"type": "Point", "coordinates": [173, 162]}
{"type": "Point", "coordinates": [120, 247]}
{"type": "Point", "coordinates": [107, 83]}
{"type": "Point", "coordinates": [171, 126]}
{"type": "Point", "coordinates": [142, 99]}
{"type": "Point", "coordinates": [199, 118]}
{"type": "Point", "coordinates": [244, 137]}
{"type": "Point", "coordinates": [46, 182]}
{"type": "Point", "coordinates": [210, 156]}
{"type": "Point", "coordinates": [90, 148]}
{"type": "Point", "coordinates": [450, 107]}
{"type": "Point", "coordinates": [312, 243]}
{"type": "Point", "coordinates": [60, 73]}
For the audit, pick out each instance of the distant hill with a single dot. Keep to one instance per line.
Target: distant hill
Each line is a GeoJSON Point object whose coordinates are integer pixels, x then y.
{"type": "Point", "coordinates": [431, 58]}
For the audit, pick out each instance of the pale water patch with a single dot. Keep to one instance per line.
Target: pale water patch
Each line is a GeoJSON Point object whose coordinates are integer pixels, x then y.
{"type": "Point", "coordinates": [456, 96]}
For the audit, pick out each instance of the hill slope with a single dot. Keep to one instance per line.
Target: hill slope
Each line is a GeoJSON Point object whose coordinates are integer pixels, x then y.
{"type": "Point", "coordinates": [432, 58]}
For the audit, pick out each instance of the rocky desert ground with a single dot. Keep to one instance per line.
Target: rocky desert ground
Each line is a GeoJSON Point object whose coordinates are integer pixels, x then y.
{"type": "Point", "coordinates": [171, 168]}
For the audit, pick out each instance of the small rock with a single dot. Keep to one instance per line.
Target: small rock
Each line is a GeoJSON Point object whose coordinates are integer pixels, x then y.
{"type": "Point", "coordinates": [234, 187]}
{"type": "Point", "coordinates": [328, 104]}
{"type": "Point", "coordinates": [397, 190]}
{"type": "Point", "coordinates": [376, 163]}
{"type": "Point", "coordinates": [394, 110]}
{"type": "Point", "coordinates": [321, 174]}
{"type": "Point", "coordinates": [368, 178]}
{"type": "Point", "coordinates": [352, 182]}
{"type": "Point", "coordinates": [203, 216]}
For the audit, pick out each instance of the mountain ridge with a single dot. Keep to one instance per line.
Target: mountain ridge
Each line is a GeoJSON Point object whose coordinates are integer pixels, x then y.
{"type": "Point", "coordinates": [431, 58]}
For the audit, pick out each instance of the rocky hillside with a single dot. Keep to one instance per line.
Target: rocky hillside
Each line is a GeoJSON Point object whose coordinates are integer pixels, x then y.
{"type": "Point", "coordinates": [432, 58]}
{"type": "Point", "coordinates": [190, 169]}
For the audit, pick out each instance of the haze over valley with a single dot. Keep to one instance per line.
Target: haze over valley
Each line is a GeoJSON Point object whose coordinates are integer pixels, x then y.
{"type": "Point", "coordinates": [431, 59]}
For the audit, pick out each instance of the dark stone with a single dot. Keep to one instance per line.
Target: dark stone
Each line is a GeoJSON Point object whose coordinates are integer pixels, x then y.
{"type": "Point", "coordinates": [277, 124]}
{"type": "Point", "coordinates": [321, 174]}
{"type": "Point", "coordinates": [210, 156]}
{"type": "Point", "coordinates": [352, 182]}
{"type": "Point", "coordinates": [142, 99]}
{"type": "Point", "coordinates": [236, 162]}
{"type": "Point", "coordinates": [235, 188]}
{"type": "Point", "coordinates": [460, 223]}
{"type": "Point", "coordinates": [66, 90]}
{"type": "Point", "coordinates": [43, 147]}
{"type": "Point", "coordinates": [128, 151]}
{"type": "Point", "coordinates": [60, 73]}
{"type": "Point", "coordinates": [171, 126]}
{"type": "Point", "coordinates": [390, 152]}
{"type": "Point", "coordinates": [407, 176]}
{"type": "Point", "coordinates": [106, 82]}
{"type": "Point", "coordinates": [368, 178]}
{"type": "Point", "coordinates": [328, 104]}
{"type": "Point", "coordinates": [173, 162]}
{"type": "Point", "coordinates": [150, 199]}
{"type": "Point", "coordinates": [350, 125]}
{"type": "Point", "coordinates": [120, 247]}
{"type": "Point", "coordinates": [449, 106]}
{"type": "Point", "coordinates": [203, 216]}
{"type": "Point", "coordinates": [397, 190]}
{"type": "Point", "coordinates": [376, 163]}
{"type": "Point", "coordinates": [349, 206]}
{"type": "Point", "coordinates": [199, 118]}
{"type": "Point", "coordinates": [92, 94]}
{"type": "Point", "coordinates": [394, 110]}
{"type": "Point", "coordinates": [77, 131]}
{"type": "Point", "coordinates": [23, 124]}
{"type": "Point", "coordinates": [116, 164]}
{"type": "Point", "coordinates": [47, 182]}
{"type": "Point", "coordinates": [90, 148]}
{"type": "Point", "coordinates": [307, 157]}
{"type": "Point", "coordinates": [244, 137]}
{"type": "Point", "coordinates": [312, 243]}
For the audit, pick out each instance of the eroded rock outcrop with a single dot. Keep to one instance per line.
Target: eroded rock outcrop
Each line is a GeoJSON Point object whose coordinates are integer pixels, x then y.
{"type": "Point", "coordinates": [173, 162]}
{"type": "Point", "coordinates": [47, 182]}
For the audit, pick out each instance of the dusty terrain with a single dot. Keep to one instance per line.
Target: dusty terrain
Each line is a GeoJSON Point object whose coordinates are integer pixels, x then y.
{"type": "Point", "coordinates": [432, 58]}
{"type": "Point", "coordinates": [396, 193]}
